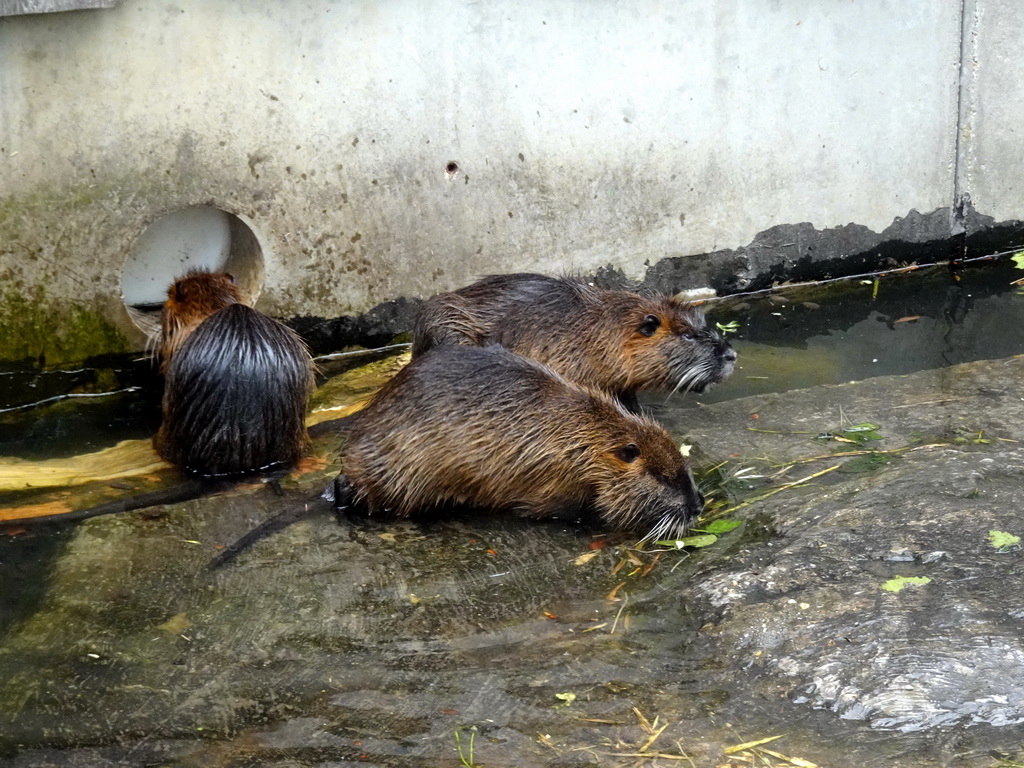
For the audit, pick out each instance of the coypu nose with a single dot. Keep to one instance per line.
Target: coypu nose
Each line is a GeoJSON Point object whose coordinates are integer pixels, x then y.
{"type": "Point", "coordinates": [342, 493]}
{"type": "Point", "coordinates": [729, 354]}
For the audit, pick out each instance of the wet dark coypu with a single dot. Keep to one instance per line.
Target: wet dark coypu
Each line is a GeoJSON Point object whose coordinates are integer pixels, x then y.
{"type": "Point", "coordinates": [482, 427]}
{"type": "Point", "coordinates": [617, 341]}
{"type": "Point", "coordinates": [236, 382]}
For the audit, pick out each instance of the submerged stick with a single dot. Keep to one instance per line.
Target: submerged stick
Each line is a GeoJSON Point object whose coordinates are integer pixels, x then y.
{"type": "Point", "coordinates": [780, 489]}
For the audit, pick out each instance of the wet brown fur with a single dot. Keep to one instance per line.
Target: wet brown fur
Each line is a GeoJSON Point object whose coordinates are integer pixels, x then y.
{"type": "Point", "coordinates": [236, 385]}
{"type": "Point", "coordinates": [617, 341]}
{"type": "Point", "coordinates": [482, 427]}
{"type": "Point", "coordinates": [191, 300]}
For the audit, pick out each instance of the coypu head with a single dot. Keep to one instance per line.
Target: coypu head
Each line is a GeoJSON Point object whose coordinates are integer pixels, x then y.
{"type": "Point", "coordinates": [190, 300]}
{"type": "Point", "coordinates": [643, 482]}
{"type": "Point", "coordinates": [670, 346]}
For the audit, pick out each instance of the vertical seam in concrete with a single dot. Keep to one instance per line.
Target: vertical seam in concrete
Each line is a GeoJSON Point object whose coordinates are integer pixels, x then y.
{"type": "Point", "coordinates": [964, 139]}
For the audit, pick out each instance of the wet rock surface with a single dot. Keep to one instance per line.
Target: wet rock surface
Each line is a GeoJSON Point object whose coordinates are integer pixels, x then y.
{"type": "Point", "coordinates": [395, 644]}
{"type": "Point", "coordinates": [945, 652]}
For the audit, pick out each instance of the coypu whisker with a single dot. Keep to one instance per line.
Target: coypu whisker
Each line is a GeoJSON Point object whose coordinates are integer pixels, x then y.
{"type": "Point", "coordinates": [685, 383]}
{"type": "Point", "coordinates": [652, 535]}
{"type": "Point", "coordinates": [665, 529]}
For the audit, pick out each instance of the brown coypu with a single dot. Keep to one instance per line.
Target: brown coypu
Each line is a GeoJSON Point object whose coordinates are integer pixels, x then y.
{"type": "Point", "coordinates": [191, 300]}
{"type": "Point", "coordinates": [617, 341]}
{"type": "Point", "coordinates": [483, 427]}
{"type": "Point", "coordinates": [236, 382]}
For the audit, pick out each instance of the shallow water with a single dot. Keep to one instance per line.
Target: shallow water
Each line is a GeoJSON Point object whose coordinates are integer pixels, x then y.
{"type": "Point", "coordinates": [850, 330]}
{"type": "Point", "coordinates": [791, 338]}
{"type": "Point", "coordinates": [333, 643]}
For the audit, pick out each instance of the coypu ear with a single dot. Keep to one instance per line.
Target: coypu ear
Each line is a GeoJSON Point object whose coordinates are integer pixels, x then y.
{"type": "Point", "coordinates": [230, 277]}
{"type": "Point", "coordinates": [649, 325]}
{"type": "Point", "coordinates": [629, 452]}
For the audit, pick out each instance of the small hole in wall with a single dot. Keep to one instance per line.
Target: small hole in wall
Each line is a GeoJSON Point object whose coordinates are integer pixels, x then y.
{"type": "Point", "coordinates": [200, 237]}
{"type": "Point", "coordinates": [451, 169]}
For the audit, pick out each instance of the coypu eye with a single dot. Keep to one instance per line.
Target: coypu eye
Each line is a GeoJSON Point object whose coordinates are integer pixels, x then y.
{"type": "Point", "coordinates": [649, 325]}
{"type": "Point", "coordinates": [629, 453]}
{"type": "Point", "coordinates": [687, 335]}
{"type": "Point", "coordinates": [230, 277]}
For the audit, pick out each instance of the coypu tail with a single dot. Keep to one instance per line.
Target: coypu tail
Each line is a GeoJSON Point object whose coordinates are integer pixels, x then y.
{"type": "Point", "coordinates": [192, 488]}
{"type": "Point", "coordinates": [288, 516]}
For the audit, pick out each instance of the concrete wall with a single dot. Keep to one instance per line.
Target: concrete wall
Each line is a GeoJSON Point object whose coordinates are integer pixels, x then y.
{"type": "Point", "coordinates": [992, 134]}
{"type": "Point", "coordinates": [586, 135]}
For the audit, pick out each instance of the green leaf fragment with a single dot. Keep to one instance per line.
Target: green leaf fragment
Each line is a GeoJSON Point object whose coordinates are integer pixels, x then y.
{"type": "Point", "coordinates": [857, 434]}
{"type": "Point", "coordinates": [863, 464]}
{"type": "Point", "coordinates": [895, 585]}
{"type": "Point", "coordinates": [731, 327]}
{"type": "Point", "coordinates": [1003, 541]}
{"type": "Point", "coordinates": [689, 541]}
{"type": "Point", "coordinates": [721, 526]}
{"type": "Point", "coordinates": [862, 437]}
{"type": "Point", "coordinates": [1018, 259]}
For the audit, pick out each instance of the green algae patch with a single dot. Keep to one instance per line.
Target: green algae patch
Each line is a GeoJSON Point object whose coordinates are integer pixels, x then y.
{"type": "Point", "coordinates": [895, 585]}
{"type": "Point", "coordinates": [358, 383]}
{"type": "Point", "coordinates": [37, 329]}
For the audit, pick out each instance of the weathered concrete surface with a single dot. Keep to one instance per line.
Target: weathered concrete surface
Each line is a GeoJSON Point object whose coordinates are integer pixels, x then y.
{"type": "Point", "coordinates": [376, 643]}
{"type": "Point", "coordinates": [584, 137]}
{"type": "Point", "coordinates": [991, 165]}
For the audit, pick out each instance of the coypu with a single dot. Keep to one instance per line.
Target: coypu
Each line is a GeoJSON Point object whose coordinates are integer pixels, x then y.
{"type": "Point", "coordinates": [235, 394]}
{"type": "Point", "coordinates": [483, 427]}
{"type": "Point", "coordinates": [617, 341]}
{"type": "Point", "coordinates": [236, 382]}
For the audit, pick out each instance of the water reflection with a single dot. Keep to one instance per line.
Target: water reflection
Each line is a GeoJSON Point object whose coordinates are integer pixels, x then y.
{"type": "Point", "coordinates": [853, 330]}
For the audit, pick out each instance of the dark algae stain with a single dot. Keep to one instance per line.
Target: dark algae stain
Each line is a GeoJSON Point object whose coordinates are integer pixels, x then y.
{"type": "Point", "coordinates": [39, 328]}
